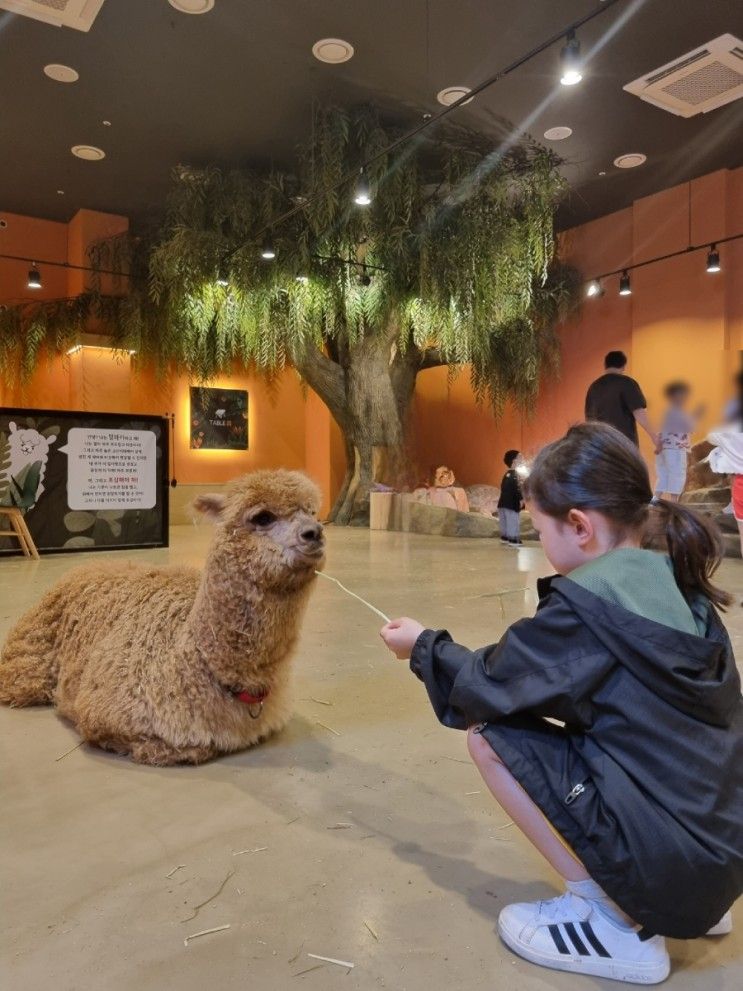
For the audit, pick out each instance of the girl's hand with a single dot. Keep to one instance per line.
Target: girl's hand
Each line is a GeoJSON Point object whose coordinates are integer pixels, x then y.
{"type": "Point", "coordinates": [400, 636]}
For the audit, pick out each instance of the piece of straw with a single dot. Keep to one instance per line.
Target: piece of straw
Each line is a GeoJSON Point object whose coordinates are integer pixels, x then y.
{"type": "Point", "coordinates": [328, 728]}
{"type": "Point", "coordinates": [204, 932]}
{"type": "Point", "coordinates": [211, 898]}
{"type": "Point", "coordinates": [70, 751]}
{"type": "Point", "coordinates": [178, 868]}
{"type": "Point", "coordinates": [338, 963]}
{"type": "Point", "coordinates": [348, 591]}
{"type": "Point", "coordinates": [371, 931]}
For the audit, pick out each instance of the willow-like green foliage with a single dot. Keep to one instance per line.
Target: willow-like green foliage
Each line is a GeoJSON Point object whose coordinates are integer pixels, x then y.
{"type": "Point", "coordinates": [460, 236]}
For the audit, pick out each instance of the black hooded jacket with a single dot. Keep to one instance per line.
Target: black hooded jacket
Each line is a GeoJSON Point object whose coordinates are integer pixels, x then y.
{"type": "Point", "coordinates": [653, 732]}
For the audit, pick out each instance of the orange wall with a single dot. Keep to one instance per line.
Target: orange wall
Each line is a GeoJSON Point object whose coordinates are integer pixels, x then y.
{"type": "Point", "coordinates": [287, 426]}
{"type": "Point", "coordinates": [40, 240]}
{"type": "Point", "coordinates": [276, 418]}
{"type": "Point", "coordinates": [679, 322]}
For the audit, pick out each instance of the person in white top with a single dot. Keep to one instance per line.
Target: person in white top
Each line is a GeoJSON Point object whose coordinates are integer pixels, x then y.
{"type": "Point", "coordinates": [674, 442]}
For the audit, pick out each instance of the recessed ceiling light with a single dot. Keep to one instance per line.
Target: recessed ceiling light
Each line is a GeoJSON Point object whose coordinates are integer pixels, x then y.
{"type": "Point", "coordinates": [192, 6]}
{"type": "Point", "coordinates": [89, 152]}
{"type": "Point", "coordinates": [630, 161]}
{"type": "Point", "coordinates": [558, 133]}
{"type": "Point", "coordinates": [453, 93]}
{"type": "Point", "coordinates": [61, 73]}
{"type": "Point", "coordinates": [602, 173]}
{"type": "Point", "coordinates": [60, 192]}
{"type": "Point", "coordinates": [106, 123]}
{"type": "Point", "coordinates": [333, 50]}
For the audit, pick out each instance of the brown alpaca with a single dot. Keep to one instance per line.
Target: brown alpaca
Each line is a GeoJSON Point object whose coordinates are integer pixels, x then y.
{"type": "Point", "coordinates": [173, 665]}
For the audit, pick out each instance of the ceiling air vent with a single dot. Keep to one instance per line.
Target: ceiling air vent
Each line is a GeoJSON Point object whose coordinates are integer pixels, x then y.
{"type": "Point", "coordinates": [700, 81]}
{"type": "Point", "coordinates": [78, 14]}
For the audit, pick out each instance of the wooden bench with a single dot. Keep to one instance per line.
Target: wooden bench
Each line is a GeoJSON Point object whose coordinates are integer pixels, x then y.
{"type": "Point", "coordinates": [18, 530]}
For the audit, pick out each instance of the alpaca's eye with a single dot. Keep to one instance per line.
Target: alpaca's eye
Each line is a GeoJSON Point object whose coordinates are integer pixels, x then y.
{"type": "Point", "coordinates": [264, 518]}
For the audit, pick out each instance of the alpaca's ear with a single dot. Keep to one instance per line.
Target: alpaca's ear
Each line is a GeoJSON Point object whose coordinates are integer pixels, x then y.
{"type": "Point", "coordinates": [210, 505]}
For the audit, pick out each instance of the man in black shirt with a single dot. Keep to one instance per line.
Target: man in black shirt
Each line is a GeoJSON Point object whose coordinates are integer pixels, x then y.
{"type": "Point", "coordinates": [617, 399]}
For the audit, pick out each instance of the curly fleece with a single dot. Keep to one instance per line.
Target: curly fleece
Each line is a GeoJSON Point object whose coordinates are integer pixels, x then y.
{"type": "Point", "coordinates": [146, 660]}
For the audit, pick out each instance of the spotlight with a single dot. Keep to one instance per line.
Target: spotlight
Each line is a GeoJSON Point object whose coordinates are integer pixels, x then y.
{"type": "Point", "coordinates": [222, 279]}
{"type": "Point", "coordinates": [34, 278]}
{"type": "Point", "coordinates": [362, 193]}
{"type": "Point", "coordinates": [593, 288]}
{"type": "Point", "coordinates": [268, 252]}
{"type": "Point", "coordinates": [713, 259]}
{"type": "Point", "coordinates": [625, 289]}
{"type": "Point", "coordinates": [570, 61]}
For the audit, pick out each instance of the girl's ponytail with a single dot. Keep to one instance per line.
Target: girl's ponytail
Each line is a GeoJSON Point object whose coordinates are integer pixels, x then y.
{"type": "Point", "coordinates": [694, 546]}
{"type": "Point", "coordinates": [595, 467]}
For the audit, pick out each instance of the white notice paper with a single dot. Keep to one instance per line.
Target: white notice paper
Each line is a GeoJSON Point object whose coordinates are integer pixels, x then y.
{"type": "Point", "coordinates": [111, 469]}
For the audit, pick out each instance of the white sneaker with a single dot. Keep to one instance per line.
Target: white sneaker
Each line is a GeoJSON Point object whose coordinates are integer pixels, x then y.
{"type": "Point", "coordinates": [723, 927]}
{"type": "Point", "coordinates": [569, 933]}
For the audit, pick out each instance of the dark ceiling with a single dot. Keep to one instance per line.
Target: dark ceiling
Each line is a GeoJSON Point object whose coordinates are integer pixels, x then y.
{"type": "Point", "coordinates": [236, 85]}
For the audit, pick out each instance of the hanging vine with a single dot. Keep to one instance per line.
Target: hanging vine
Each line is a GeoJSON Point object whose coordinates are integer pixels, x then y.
{"type": "Point", "coordinates": [460, 247]}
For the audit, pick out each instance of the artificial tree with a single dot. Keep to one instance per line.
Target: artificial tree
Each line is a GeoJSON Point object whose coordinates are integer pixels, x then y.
{"type": "Point", "coordinates": [452, 263]}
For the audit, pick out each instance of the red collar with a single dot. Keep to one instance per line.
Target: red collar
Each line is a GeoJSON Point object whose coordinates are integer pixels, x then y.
{"type": "Point", "coordinates": [249, 699]}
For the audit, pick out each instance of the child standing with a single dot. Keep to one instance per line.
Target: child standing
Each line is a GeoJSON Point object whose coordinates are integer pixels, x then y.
{"type": "Point", "coordinates": [674, 442]}
{"type": "Point", "coordinates": [510, 503]}
{"type": "Point", "coordinates": [636, 799]}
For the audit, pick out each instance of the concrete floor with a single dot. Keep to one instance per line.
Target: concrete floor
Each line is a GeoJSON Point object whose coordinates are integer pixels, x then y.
{"type": "Point", "coordinates": [375, 843]}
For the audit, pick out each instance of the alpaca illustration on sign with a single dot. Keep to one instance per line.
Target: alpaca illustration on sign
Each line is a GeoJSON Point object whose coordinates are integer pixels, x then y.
{"type": "Point", "coordinates": [23, 474]}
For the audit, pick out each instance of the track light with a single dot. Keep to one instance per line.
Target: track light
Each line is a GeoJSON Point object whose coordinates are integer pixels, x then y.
{"type": "Point", "coordinates": [625, 289]}
{"type": "Point", "coordinates": [34, 278]}
{"type": "Point", "coordinates": [713, 259]}
{"type": "Point", "coordinates": [268, 252]}
{"type": "Point", "coordinates": [570, 61]}
{"type": "Point", "coordinates": [593, 288]}
{"type": "Point", "coordinates": [222, 279]}
{"type": "Point", "coordinates": [362, 193]}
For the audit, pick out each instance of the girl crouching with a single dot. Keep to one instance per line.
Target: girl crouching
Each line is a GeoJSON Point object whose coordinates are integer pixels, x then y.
{"type": "Point", "coordinates": [635, 794]}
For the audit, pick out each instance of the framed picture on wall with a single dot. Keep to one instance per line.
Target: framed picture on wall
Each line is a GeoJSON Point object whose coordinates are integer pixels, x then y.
{"type": "Point", "coordinates": [219, 419]}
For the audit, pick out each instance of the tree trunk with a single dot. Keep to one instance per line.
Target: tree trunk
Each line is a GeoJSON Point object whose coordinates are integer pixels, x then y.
{"type": "Point", "coordinates": [368, 391]}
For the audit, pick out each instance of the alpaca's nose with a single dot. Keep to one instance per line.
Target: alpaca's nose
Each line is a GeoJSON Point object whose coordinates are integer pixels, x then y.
{"type": "Point", "coordinates": [312, 534]}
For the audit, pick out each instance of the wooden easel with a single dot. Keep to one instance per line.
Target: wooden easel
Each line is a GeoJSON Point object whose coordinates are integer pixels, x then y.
{"type": "Point", "coordinates": [18, 530]}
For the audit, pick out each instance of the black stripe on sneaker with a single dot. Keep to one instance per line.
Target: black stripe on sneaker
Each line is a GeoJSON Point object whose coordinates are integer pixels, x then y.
{"type": "Point", "coordinates": [594, 940]}
{"type": "Point", "coordinates": [576, 940]}
{"type": "Point", "coordinates": [558, 940]}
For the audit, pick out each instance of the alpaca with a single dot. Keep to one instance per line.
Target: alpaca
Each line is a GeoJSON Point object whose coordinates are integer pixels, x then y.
{"type": "Point", "coordinates": [169, 664]}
